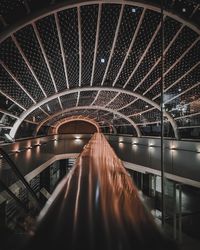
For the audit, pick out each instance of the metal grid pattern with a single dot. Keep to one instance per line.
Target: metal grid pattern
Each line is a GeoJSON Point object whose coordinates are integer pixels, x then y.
{"type": "Point", "coordinates": [108, 24]}
{"type": "Point", "coordinates": [69, 101]}
{"type": "Point", "coordinates": [148, 117]}
{"type": "Point", "coordinates": [189, 121]}
{"type": "Point", "coordinates": [120, 101]}
{"type": "Point", "coordinates": [31, 49]}
{"type": "Point", "coordinates": [104, 97]}
{"type": "Point", "coordinates": [69, 29]}
{"type": "Point", "coordinates": [129, 22]}
{"type": "Point", "coordinates": [6, 120]}
{"type": "Point", "coordinates": [49, 38]}
{"type": "Point", "coordinates": [98, 115]}
{"type": "Point", "coordinates": [86, 98]}
{"type": "Point", "coordinates": [52, 107]}
{"type": "Point", "coordinates": [89, 16]}
{"type": "Point", "coordinates": [137, 107]}
{"type": "Point", "coordinates": [37, 116]}
{"type": "Point", "coordinates": [10, 88]}
{"type": "Point", "coordinates": [148, 26]}
{"type": "Point", "coordinates": [18, 68]}
{"type": "Point", "coordinates": [8, 105]}
{"type": "Point", "coordinates": [100, 45]}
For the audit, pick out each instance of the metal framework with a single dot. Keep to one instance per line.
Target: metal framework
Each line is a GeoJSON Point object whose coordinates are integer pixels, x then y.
{"type": "Point", "coordinates": [115, 93]}
{"type": "Point", "coordinates": [116, 90]}
{"type": "Point", "coordinates": [63, 6]}
{"type": "Point", "coordinates": [74, 118]}
{"type": "Point", "coordinates": [91, 107]}
{"type": "Point", "coordinates": [61, 48]}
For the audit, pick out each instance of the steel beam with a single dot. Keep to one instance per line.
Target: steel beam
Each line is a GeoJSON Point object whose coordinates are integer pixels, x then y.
{"type": "Point", "coordinates": [130, 46]}
{"type": "Point", "coordinates": [114, 43]}
{"type": "Point", "coordinates": [145, 99]}
{"type": "Point", "coordinates": [92, 107]}
{"type": "Point", "coordinates": [61, 48]}
{"type": "Point", "coordinates": [96, 43]}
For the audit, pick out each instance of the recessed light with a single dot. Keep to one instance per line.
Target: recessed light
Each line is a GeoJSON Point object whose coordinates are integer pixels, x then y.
{"type": "Point", "coordinates": [133, 10]}
{"type": "Point", "coordinates": [184, 9]}
{"type": "Point", "coordinates": [102, 60]}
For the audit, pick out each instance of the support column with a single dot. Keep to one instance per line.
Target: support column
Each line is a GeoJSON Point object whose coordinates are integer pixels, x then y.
{"type": "Point", "coordinates": [180, 214]}
{"type": "Point", "coordinates": [174, 212]}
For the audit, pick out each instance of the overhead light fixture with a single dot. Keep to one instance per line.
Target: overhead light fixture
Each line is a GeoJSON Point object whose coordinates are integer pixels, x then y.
{"type": "Point", "coordinates": [133, 10]}
{"type": "Point", "coordinates": [184, 9]}
{"type": "Point", "coordinates": [102, 60]}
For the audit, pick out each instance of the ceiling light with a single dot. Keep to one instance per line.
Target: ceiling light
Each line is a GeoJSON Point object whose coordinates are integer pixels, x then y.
{"type": "Point", "coordinates": [179, 89]}
{"type": "Point", "coordinates": [102, 60]}
{"type": "Point", "coordinates": [133, 10]}
{"type": "Point", "coordinates": [184, 9]}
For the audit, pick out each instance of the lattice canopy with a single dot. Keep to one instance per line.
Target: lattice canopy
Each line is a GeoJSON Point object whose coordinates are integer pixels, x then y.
{"type": "Point", "coordinates": [100, 60]}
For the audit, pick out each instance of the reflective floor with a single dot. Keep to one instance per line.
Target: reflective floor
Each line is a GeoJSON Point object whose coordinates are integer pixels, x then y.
{"type": "Point", "coordinates": [97, 206]}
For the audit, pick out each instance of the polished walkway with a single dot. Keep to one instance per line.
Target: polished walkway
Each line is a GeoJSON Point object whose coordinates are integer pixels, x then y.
{"type": "Point", "coordinates": [97, 206]}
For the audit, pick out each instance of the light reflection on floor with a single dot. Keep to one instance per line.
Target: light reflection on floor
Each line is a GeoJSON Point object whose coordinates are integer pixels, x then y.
{"type": "Point", "coordinates": [97, 206]}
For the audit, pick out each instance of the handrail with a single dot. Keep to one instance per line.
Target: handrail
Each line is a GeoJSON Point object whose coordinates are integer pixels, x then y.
{"type": "Point", "coordinates": [21, 177]}
{"type": "Point", "coordinates": [19, 202]}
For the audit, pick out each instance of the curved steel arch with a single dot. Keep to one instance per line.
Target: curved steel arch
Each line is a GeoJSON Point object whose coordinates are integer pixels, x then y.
{"type": "Point", "coordinates": [104, 120]}
{"type": "Point", "coordinates": [91, 107]}
{"type": "Point", "coordinates": [62, 6]}
{"type": "Point", "coordinates": [117, 90]}
{"type": "Point", "coordinates": [75, 118]}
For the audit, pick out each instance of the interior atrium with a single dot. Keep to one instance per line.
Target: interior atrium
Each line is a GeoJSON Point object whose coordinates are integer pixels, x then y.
{"type": "Point", "coordinates": [116, 71]}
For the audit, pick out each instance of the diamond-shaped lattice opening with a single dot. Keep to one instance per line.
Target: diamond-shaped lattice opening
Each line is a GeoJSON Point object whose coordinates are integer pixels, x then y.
{"type": "Point", "coordinates": [135, 107]}
{"type": "Point", "coordinates": [108, 24]}
{"type": "Point", "coordinates": [69, 100]}
{"type": "Point", "coordinates": [28, 42]}
{"type": "Point", "coordinates": [52, 106]}
{"type": "Point", "coordinates": [49, 37]}
{"type": "Point", "coordinates": [9, 87]}
{"type": "Point", "coordinates": [89, 15]}
{"type": "Point", "coordinates": [18, 68]}
{"type": "Point", "coordinates": [121, 101]}
{"type": "Point", "coordinates": [147, 29]}
{"type": "Point", "coordinates": [86, 98]}
{"type": "Point", "coordinates": [104, 97]}
{"type": "Point", "coordinates": [128, 26]}
{"type": "Point", "coordinates": [37, 116]}
{"type": "Point", "coordinates": [68, 20]}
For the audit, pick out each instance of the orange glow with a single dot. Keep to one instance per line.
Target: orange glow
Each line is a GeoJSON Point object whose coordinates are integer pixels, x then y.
{"type": "Point", "coordinates": [97, 206]}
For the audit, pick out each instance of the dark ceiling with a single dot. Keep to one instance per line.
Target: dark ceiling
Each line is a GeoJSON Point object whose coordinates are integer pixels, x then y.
{"type": "Point", "coordinates": [101, 60]}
